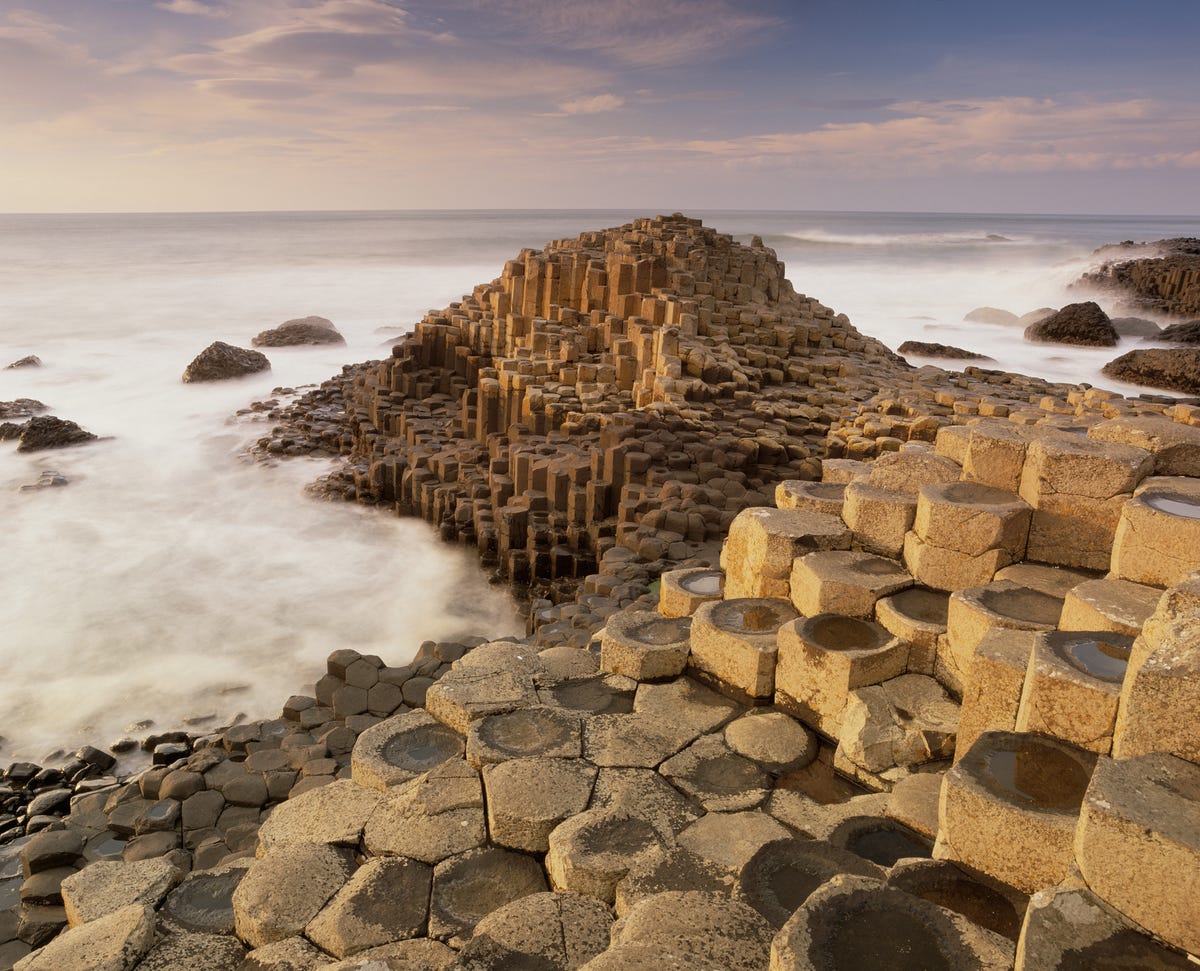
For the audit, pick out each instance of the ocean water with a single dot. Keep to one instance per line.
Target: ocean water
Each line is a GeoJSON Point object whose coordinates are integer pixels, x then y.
{"type": "Point", "coordinates": [173, 579]}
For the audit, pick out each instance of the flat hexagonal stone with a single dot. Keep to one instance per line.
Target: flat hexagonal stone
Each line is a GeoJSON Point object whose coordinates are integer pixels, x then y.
{"type": "Point", "coordinates": [682, 591]}
{"type": "Point", "coordinates": [716, 776]}
{"type": "Point", "coordinates": [635, 740]}
{"type": "Point", "coordinates": [730, 839]}
{"type": "Point", "coordinates": [608, 694]}
{"type": "Point", "coordinates": [639, 957]}
{"type": "Point", "coordinates": [196, 952]}
{"type": "Point", "coordinates": [526, 732]}
{"type": "Point", "coordinates": [114, 942]}
{"type": "Point", "coordinates": [402, 748]}
{"type": "Point", "coordinates": [686, 702]}
{"type": "Point", "coordinates": [845, 582]}
{"type": "Point", "coordinates": [543, 930]}
{"type": "Point", "coordinates": [673, 869]}
{"type": "Point", "coordinates": [880, 839]}
{"type": "Point", "coordinates": [108, 885]}
{"type": "Point", "coordinates": [773, 740]}
{"type": "Point", "coordinates": [528, 798]}
{"type": "Point", "coordinates": [386, 900]}
{"type": "Point", "coordinates": [468, 693]}
{"type": "Point", "coordinates": [645, 645]}
{"type": "Point", "coordinates": [334, 813]}
{"type": "Point", "coordinates": [592, 851]}
{"type": "Point", "coordinates": [733, 643]}
{"type": "Point", "coordinates": [468, 887]}
{"type": "Point", "coordinates": [782, 874]}
{"type": "Point", "coordinates": [203, 901]}
{"type": "Point", "coordinates": [647, 792]}
{"type": "Point", "coordinates": [430, 818]}
{"type": "Point", "coordinates": [292, 954]}
{"type": "Point", "coordinates": [857, 922]}
{"type": "Point", "coordinates": [286, 889]}
{"type": "Point", "coordinates": [726, 933]}
{"type": "Point", "coordinates": [419, 954]}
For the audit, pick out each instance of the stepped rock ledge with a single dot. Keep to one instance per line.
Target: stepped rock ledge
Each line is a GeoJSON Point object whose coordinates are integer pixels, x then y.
{"type": "Point", "coordinates": [831, 663]}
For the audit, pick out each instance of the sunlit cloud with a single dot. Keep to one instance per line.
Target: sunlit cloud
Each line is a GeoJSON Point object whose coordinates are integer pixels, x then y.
{"type": "Point", "coordinates": [193, 8]}
{"type": "Point", "coordinates": [591, 106]}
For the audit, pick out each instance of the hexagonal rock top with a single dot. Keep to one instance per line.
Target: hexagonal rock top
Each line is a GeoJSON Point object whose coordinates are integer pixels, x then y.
{"type": "Point", "coordinates": [334, 813]}
{"type": "Point", "coordinates": [386, 900]}
{"type": "Point", "coordinates": [114, 942]}
{"type": "Point", "coordinates": [528, 798]}
{"type": "Point", "coordinates": [544, 930]}
{"type": "Point", "coordinates": [644, 645]}
{"type": "Point", "coordinates": [526, 732]}
{"type": "Point", "coordinates": [401, 748]}
{"type": "Point", "coordinates": [591, 852]}
{"type": "Point", "coordinates": [286, 889]}
{"type": "Point", "coordinates": [432, 817]}
{"type": "Point", "coordinates": [468, 887]}
{"type": "Point", "coordinates": [108, 885]}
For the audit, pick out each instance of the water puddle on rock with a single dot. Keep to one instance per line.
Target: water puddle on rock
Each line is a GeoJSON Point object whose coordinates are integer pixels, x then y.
{"type": "Point", "coordinates": [1174, 506]}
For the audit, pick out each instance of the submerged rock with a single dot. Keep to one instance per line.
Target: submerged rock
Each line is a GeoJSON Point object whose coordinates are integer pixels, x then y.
{"type": "Point", "coordinates": [21, 408]}
{"type": "Point", "coordinates": [1174, 370]}
{"type": "Point", "coordinates": [46, 431]}
{"type": "Point", "coordinates": [1077, 323]}
{"type": "Point", "coordinates": [1136, 327]}
{"type": "Point", "coordinates": [1188, 333]}
{"type": "Point", "coordinates": [927, 349]}
{"type": "Point", "coordinates": [220, 361]}
{"type": "Point", "coordinates": [991, 315]}
{"type": "Point", "coordinates": [31, 360]}
{"type": "Point", "coordinates": [301, 330]}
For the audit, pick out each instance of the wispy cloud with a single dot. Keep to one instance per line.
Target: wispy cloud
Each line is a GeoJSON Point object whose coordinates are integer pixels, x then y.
{"type": "Point", "coordinates": [597, 104]}
{"type": "Point", "coordinates": [193, 8]}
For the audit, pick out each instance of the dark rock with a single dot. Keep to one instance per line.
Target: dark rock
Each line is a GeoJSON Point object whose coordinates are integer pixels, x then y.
{"type": "Point", "coordinates": [46, 431]}
{"type": "Point", "coordinates": [302, 330]}
{"type": "Point", "coordinates": [21, 408]}
{"type": "Point", "coordinates": [1170, 368]}
{"type": "Point", "coordinates": [1162, 277]}
{"type": "Point", "coordinates": [9, 430]}
{"type": "Point", "coordinates": [46, 851]}
{"type": "Point", "coordinates": [1077, 323]}
{"type": "Point", "coordinates": [925, 349]}
{"type": "Point", "coordinates": [1188, 333]}
{"type": "Point", "coordinates": [55, 800]}
{"type": "Point", "coordinates": [1136, 327]}
{"type": "Point", "coordinates": [31, 360]}
{"type": "Point", "coordinates": [94, 756]}
{"type": "Point", "coordinates": [220, 361]}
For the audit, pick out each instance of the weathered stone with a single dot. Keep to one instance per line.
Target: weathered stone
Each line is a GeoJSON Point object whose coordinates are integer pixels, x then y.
{"type": "Point", "coordinates": [1175, 369]}
{"type": "Point", "coordinates": [715, 929]}
{"type": "Point", "coordinates": [592, 851]}
{"type": "Point", "coordinates": [1175, 446]}
{"type": "Point", "coordinates": [116, 941]}
{"type": "Point", "coordinates": [903, 721]}
{"type": "Point", "coordinates": [1121, 606]}
{"type": "Point", "coordinates": [291, 954]}
{"type": "Point", "coordinates": [386, 900]}
{"type": "Point", "coordinates": [46, 431]}
{"type": "Point", "coordinates": [734, 642]}
{"type": "Point", "coordinates": [972, 518]}
{"type": "Point", "coordinates": [1077, 323]}
{"type": "Point", "coordinates": [286, 889]}
{"type": "Point", "coordinates": [302, 330]}
{"type": "Point", "coordinates": [544, 930]}
{"type": "Point", "coordinates": [528, 798]}
{"type": "Point", "coordinates": [879, 518]}
{"type": "Point", "coordinates": [526, 732]}
{"type": "Point", "coordinates": [773, 740]}
{"type": "Point", "coordinates": [203, 902]}
{"type": "Point", "coordinates": [822, 497]}
{"type": "Point", "coordinates": [985, 902]}
{"type": "Point", "coordinates": [645, 646]}
{"type": "Point", "coordinates": [641, 740]}
{"type": "Point", "coordinates": [917, 615]}
{"type": "Point", "coordinates": [1157, 540]}
{"type": "Point", "coordinates": [196, 952]}
{"type": "Point", "coordinates": [674, 869]}
{"type": "Point", "coordinates": [471, 692]}
{"type": "Point", "coordinates": [104, 887]}
{"type": "Point", "coordinates": [335, 814]}
{"type": "Point", "coordinates": [995, 679]}
{"type": "Point", "coordinates": [730, 839]}
{"type": "Point", "coordinates": [763, 542]}
{"type": "Point", "coordinates": [682, 591]}
{"type": "Point", "coordinates": [401, 748]}
{"type": "Point", "coordinates": [844, 582]}
{"type": "Point", "coordinates": [220, 361]}
{"type": "Point", "coordinates": [431, 818]}
{"type": "Point", "coordinates": [717, 777]}
{"type": "Point", "coordinates": [468, 887]}
{"type": "Point", "coordinates": [914, 802]}
{"type": "Point", "coordinates": [647, 792]}
{"type": "Point", "coordinates": [418, 954]}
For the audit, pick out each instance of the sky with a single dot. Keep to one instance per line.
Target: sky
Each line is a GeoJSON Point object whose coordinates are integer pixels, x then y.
{"type": "Point", "coordinates": [1073, 106]}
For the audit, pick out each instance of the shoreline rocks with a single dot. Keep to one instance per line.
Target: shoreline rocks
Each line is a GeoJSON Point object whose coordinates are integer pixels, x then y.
{"type": "Point", "coordinates": [1161, 277]}
{"type": "Point", "coordinates": [1171, 369]}
{"type": "Point", "coordinates": [1077, 323]}
{"type": "Point", "coordinates": [926, 349]}
{"type": "Point", "coordinates": [220, 361]}
{"type": "Point", "coordinates": [302, 330]}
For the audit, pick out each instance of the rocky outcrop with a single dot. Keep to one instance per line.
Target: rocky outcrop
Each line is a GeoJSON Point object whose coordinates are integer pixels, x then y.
{"type": "Point", "coordinates": [220, 361]}
{"type": "Point", "coordinates": [1171, 369]}
{"type": "Point", "coordinates": [924, 349]}
{"type": "Point", "coordinates": [20, 408]}
{"type": "Point", "coordinates": [1185, 333]}
{"type": "Point", "coordinates": [1077, 323]}
{"type": "Point", "coordinates": [46, 431]}
{"type": "Point", "coordinates": [302, 330]}
{"type": "Point", "coordinates": [1162, 277]}
{"type": "Point", "coordinates": [31, 360]}
{"type": "Point", "coordinates": [1136, 327]}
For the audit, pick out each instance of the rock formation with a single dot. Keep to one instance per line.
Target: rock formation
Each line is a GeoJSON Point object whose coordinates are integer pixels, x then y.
{"type": "Point", "coordinates": [220, 361]}
{"type": "Point", "coordinates": [302, 330]}
{"type": "Point", "coordinates": [46, 431]}
{"type": "Point", "coordinates": [1183, 333]}
{"type": "Point", "coordinates": [1077, 323]}
{"type": "Point", "coordinates": [922, 694]}
{"type": "Point", "coordinates": [925, 349]}
{"type": "Point", "coordinates": [1161, 278]}
{"type": "Point", "coordinates": [1169, 368]}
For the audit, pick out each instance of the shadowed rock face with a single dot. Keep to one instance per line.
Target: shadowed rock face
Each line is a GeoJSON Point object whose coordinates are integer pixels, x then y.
{"type": "Point", "coordinates": [929, 349]}
{"type": "Point", "coordinates": [1171, 369]}
{"type": "Point", "coordinates": [220, 361]}
{"type": "Point", "coordinates": [1077, 323]}
{"type": "Point", "coordinates": [1159, 277]}
{"type": "Point", "coordinates": [302, 330]}
{"type": "Point", "coordinates": [46, 431]}
{"type": "Point", "coordinates": [1186, 333]}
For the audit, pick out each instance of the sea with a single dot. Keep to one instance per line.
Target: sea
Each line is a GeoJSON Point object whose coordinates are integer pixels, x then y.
{"type": "Point", "coordinates": [174, 582]}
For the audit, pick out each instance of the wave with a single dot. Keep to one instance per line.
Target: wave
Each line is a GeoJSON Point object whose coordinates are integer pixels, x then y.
{"type": "Point", "coordinates": [821, 237]}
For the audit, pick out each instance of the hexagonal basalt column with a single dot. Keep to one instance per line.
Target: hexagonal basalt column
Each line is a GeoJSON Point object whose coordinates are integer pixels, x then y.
{"type": "Point", "coordinates": [527, 798]}
{"type": "Point", "coordinates": [991, 696]}
{"type": "Point", "coordinates": [844, 582]}
{"type": "Point", "coordinates": [975, 611]}
{"type": "Point", "coordinates": [526, 732]}
{"type": "Point", "coordinates": [734, 642]}
{"type": "Point", "coordinates": [823, 497]}
{"type": "Point", "coordinates": [1010, 805]}
{"type": "Point", "coordinates": [470, 692]}
{"type": "Point", "coordinates": [995, 455]}
{"type": "Point", "coordinates": [879, 517]}
{"type": "Point", "coordinates": [763, 542]}
{"type": "Point", "coordinates": [917, 615]}
{"type": "Point", "coordinates": [858, 922]}
{"type": "Point", "coordinates": [1077, 488]}
{"type": "Point", "coordinates": [467, 888]}
{"type": "Point", "coordinates": [681, 592]}
{"type": "Point", "coordinates": [591, 852]}
{"type": "Point", "coordinates": [1161, 684]}
{"type": "Point", "coordinates": [1073, 686]}
{"type": "Point", "coordinates": [1158, 537]}
{"type": "Point", "coordinates": [644, 645]}
{"type": "Point", "coordinates": [401, 748]}
{"type": "Point", "coordinates": [824, 658]}
{"type": "Point", "coordinates": [1138, 843]}
{"type": "Point", "coordinates": [717, 777]}
{"type": "Point", "coordinates": [1121, 606]}
{"type": "Point", "coordinates": [971, 518]}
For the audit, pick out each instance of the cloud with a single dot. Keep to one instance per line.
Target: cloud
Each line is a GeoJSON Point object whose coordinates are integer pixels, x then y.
{"type": "Point", "coordinates": [591, 106]}
{"type": "Point", "coordinates": [192, 8]}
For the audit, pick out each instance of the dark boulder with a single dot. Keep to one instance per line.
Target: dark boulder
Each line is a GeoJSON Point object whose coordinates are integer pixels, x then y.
{"type": "Point", "coordinates": [925, 349]}
{"type": "Point", "coordinates": [1188, 333]}
{"type": "Point", "coordinates": [46, 431]}
{"type": "Point", "coordinates": [21, 408]}
{"type": "Point", "coordinates": [1136, 327]}
{"type": "Point", "coordinates": [31, 360]}
{"type": "Point", "coordinates": [9, 430]}
{"type": "Point", "coordinates": [302, 330]}
{"type": "Point", "coordinates": [1175, 369]}
{"type": "Point", "coordinates": [219, 361]}
{"type": "Point", "coordinates": [1077, 323]}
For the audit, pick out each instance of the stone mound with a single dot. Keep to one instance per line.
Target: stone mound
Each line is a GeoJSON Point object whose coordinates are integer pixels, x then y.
{"type": "Point", "coordinates": [925, 349]}
{"type": "Point", "coordinates": [301, 330]}
{"type": "Point", "coordinates": [1077, 323]}
{"type": "Point", "coordinates": [1186, 333]}
{"type": "Point", "coordinates": [220, 361]}
{"type": "Point", "coordinates": [1162, 277]}
{"type": "Point", "coordinates": [1173, 370]}
{"type": "Point", "coordinates": [991, 315]}
{"type": "Point", "coordinates": [31, 360]}
{"type": "Point", "coordinates": [46, 431]}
